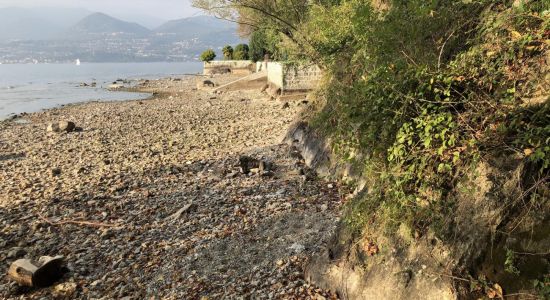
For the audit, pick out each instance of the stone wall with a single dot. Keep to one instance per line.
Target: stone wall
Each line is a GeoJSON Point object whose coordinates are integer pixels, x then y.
{"type": "Point", "coordinates": [242, 67]}
{"type": "Point", "coordinates": [291, 77]}
{"type": "Point", "coordinates": [301, 78]}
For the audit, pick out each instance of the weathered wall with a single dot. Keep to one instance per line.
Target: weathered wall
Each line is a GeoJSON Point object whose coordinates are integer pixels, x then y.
{"type": "Point", "coordinates": [290, 77]}
{"type": "Point", "coordinates": [275, 74]}
{"type": "Point", "coordinates": [243, 67]}
{"type": "Point", "coordinates": [301, 78]}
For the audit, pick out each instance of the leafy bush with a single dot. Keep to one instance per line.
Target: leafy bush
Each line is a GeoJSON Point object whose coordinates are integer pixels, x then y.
{"type": "Point", "coordinates": [208, 55]}
{"type": "Point", "coordinates": [241, 52]}
{"type": "Point", "coordinates": [423, 91]}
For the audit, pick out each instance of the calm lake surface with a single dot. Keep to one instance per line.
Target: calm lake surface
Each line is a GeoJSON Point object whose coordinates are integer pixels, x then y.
{"type": "Point", "coordinates": [31, 88]}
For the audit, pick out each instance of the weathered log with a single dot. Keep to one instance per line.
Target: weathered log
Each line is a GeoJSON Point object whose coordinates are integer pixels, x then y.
{"type": "Point", "coordinates": [37, 274]}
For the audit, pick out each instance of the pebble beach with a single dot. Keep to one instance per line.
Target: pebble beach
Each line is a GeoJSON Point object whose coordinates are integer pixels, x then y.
{"type": "Point", "coordinates": [148, 199]}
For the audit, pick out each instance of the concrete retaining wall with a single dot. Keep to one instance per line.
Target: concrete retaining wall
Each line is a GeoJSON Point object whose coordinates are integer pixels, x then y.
{"type": "Point", "coordinates": [301, 78]}
{"type": "Point", "coordinates": [275, 74]}
{"type": "Point", "coordinates": [291, 78]}
{"type": "Point", "coordinates": [239, 67]}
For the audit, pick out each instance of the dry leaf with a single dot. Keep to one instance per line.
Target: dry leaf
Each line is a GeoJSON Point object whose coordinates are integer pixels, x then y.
{"type": "Point", "coordinates": [498, 290]}
{"type": "Point", "coordinates": [491, 293]}
{"type": "Point", "coordinates": [516, 35]}
{"type": "Point", "coordinates": [495, 292]}
{"type": "Point", "coordinates": [372, 249]}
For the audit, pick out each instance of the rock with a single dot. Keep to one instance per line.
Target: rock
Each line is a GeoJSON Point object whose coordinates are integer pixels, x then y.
{"type": "Point", "coordinates": [61, 126]}
{"type": "Point", "coordinates": [37, 274]}
{"type": "Point", "coordinates": [247, 163]}
{"type": "Point", "coordinates": [65, 290]}
{"type": "Point", "coordinates": [115, 86]}
{"type": "Point", "coordinates": [265, 166]}
{"type": "Point", "coordinates": [297, 248]}
{"type": "Point", "coordinates": [53, 127]}
{"type": "Point", "coordinates": [274, 91]}
{"type": "Point", "coordinates": [16, 252]}
{"type": "Point", "coordinates": [205, 83]}
{"type": "Point", "coordinates": [404, 278]}
{"type": "Point", "coordinates": [56, 171]}
{"type": "Point", "coordinates": [66, 126]}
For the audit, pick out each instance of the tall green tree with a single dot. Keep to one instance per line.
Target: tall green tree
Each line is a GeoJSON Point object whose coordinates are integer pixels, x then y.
{"type": "Point", "coordinates": [241, 52]}
{"type": "Point", "coordinates": [227, 52]}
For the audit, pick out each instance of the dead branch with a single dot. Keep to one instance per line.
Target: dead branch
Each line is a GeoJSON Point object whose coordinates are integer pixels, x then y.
{"type": "Point", "coordinates": [76, 222]}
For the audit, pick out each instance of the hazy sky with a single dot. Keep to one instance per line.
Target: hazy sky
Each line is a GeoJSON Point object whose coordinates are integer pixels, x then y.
{"type": "Point", "coordinates": [165, 9]}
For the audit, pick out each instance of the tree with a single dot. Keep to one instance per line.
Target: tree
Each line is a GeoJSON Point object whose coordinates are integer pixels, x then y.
{"type": "Point", "coordinates": [282, 16]}
{"type": "Point", "coordinates": [208, 55]}
{"type": "Point", "coordinates": [241, 52]}
{"type": "Point", "coordinates": [265, 41]}
{"type": "Point", "coordinates": [227, 52]}
{"type": "Point", "coordinates": [258, 45]}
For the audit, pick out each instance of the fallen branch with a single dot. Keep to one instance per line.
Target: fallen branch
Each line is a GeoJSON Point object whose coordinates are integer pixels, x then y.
{"type": "Point", "coordinates": [76, 222]}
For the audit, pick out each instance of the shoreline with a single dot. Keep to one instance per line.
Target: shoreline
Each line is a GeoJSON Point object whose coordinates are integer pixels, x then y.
{"type": "Point", "coordinates": [167, 173]}
{"type": "Point", "coordinates": [135, 90]}
{"type": "Point", "coordinates": [56, 85]}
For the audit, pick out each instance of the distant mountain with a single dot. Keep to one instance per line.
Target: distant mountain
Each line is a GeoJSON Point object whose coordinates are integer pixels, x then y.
{"type": "Point", "coordinates": [148, 21]}
{"type": "Point", "coordinates": [201, 27]}
{"type": "Point", "coordinates": [28, 36]}
{"type": "Point", "coordinates": [100, 23]}
{"type": "Point", "coordinates": [205, 32]}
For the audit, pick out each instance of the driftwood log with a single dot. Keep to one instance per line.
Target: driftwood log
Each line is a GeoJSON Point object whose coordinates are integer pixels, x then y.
{"type": "Point", "coordinates": [37, 274]}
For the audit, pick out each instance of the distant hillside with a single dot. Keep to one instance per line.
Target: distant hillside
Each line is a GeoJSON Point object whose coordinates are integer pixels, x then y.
{"type": "Point", "coordinates": [196, 26]}
{"type": "Point", "coordinates": [98, 37]}
{"type": "Point", "coordinates": [205, 28]}
{"type": "Point", "coordinates": [100, 23]}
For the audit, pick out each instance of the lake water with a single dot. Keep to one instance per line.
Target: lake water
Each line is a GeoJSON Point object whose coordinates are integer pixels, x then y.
{"type": "Point", "coordinates": [31, 88]}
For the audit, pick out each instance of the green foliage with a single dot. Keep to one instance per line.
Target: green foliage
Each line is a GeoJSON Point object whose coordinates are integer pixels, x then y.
{"type": "Point", "coordinates": [510, 262]}
{"type": "Point", "coordinates": [241, 52]}
{"type": "Point", "coordinates": [265, 41]}
{"type": "Point", "coordinates": [227, 52]}
{"type": "Point", "coordinates": [423, 91]}
{"type": "Point", "coordinates": [208, 55]}
{"type": "Point", "coordinates": [543, 287]}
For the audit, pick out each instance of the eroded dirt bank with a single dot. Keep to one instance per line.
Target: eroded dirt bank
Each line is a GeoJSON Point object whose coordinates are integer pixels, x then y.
{"type": "Point", "coordinates": [169, 215]}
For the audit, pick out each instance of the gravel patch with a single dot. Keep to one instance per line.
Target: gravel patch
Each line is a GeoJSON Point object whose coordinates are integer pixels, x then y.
{"type": "Point", "coordinates": [146, 199]}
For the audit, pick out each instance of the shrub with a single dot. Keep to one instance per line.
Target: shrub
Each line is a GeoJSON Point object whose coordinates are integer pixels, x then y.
{"type": "Point", "coordinates": [208, 55]}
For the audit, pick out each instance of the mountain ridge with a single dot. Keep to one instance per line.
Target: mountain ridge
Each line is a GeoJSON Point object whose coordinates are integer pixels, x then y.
{"type": "Point", "coordinates": [101, 23]}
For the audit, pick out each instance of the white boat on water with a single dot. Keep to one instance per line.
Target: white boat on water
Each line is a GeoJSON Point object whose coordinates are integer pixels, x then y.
{"type": "Point", "coordinates": [77, 62]}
